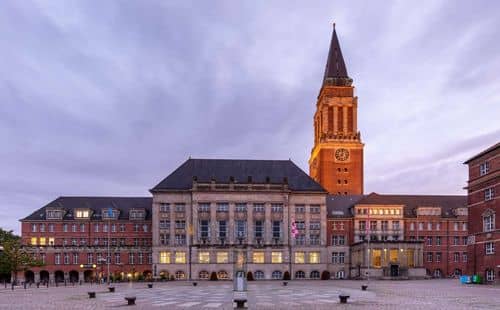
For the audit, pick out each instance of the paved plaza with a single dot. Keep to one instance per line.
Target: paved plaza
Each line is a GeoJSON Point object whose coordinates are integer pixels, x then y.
{"type": "Point", "coordinates": [423, 294]}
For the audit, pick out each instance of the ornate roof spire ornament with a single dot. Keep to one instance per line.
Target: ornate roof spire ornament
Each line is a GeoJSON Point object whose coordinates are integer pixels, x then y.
{"type": "Point", "coordinates": [335, 70]}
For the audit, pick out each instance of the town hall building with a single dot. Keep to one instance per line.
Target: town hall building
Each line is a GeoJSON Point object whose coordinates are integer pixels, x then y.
{"type": "Point", "coordinates": [283, 222]}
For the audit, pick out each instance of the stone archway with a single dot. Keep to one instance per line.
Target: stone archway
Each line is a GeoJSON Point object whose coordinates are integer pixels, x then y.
{"type": "Point", "coordinates": [73, 276]}
{"type": "Point", "coordinates": [88, 275]}
{"type": "Point", "coordinates": [44, 276]}
{"type": "Point", "coordinates": [59, 276]}
{"type": "Point", "coordinates": [29, 276]}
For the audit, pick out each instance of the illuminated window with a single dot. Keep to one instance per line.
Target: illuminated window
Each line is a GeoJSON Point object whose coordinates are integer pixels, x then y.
{"type": "Point", "coordinates": [82, 213]}
{"type": "Point", "coordinates": [180, 257]}
{"type": "Point", "coordinates": [410, 256]}
{"type": "Point", "coordinates": [377, 258]}
{"type": "Point", "coordinates": [51, 241]}
{"type": "Point", "coordinates": [33, 241]}
{"type": "Point", "coordinates": [42, 240]}
{"type": "Point", "coordinates": [222, 257]}
{"type": "Point", "coordinates": [276, 257]}
{"type": "Point", "coordinates": [164, 257]}
{"type": "Point", "coordinates": [299, 257]}
{"type": "Point", "coordinates": [204, 257]}
{"type": "Point", "coordinates": [314, 258]}
{"type": "Point", "coordinates": [393, 255]}
{"type": "Point", "coordinates": [258, 257]}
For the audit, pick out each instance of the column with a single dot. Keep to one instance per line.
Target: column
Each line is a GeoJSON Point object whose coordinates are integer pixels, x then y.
{"type": "Point", "coordinates": [230, 223]}
{"type": "Point", "coordinates": [250, 221]}
{"type": "Point", "coordinates": [213, 223]}
{"type": "Point", "coordinates": [344, 118]}
{"type": "Point", "coordinates": [267, 224]}
{"type": "Point", "coordinates": [335, 118]}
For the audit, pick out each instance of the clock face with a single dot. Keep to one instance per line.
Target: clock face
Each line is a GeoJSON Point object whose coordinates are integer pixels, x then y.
{"type": "Point", "coordinates": [342, 154]}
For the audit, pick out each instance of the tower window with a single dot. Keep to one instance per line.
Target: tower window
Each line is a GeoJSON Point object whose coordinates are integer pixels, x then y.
{"type": "Point", "coordinates": [345, 169]}
{"type": "Point", "coordinates": [338, 182]}
{"type": "Point", "coordinates": [345, 181]}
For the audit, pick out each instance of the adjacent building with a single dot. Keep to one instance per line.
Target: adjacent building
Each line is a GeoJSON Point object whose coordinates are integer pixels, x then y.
{"type": "Point", "coordinates": [76, 238]}
{"type": "Point", "coordinates": [483, 203]}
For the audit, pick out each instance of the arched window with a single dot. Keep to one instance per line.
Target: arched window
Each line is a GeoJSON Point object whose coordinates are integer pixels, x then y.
{"type": "Point", "coordinates": [300, 274]}
{"type": "Point", "coordinates": [180, 275]}
{"type": "Point", "coordinates": [203, 275]}
{"type": "Point", "coordinates": [277, 275]}
{"type": "Point", "coordinates": [314, 274]}
{"type": "Point", "coordinates": [259, 275]}
{"type": "Point", "coordinates": [222, 275]}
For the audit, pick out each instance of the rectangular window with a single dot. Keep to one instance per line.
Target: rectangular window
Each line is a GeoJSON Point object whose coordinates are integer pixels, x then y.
{"type": "Point", "coordinates": [164, 207]}
{"type": "Point", "coordinates": [338, 240]}
{"type": "Point", "coordinates": [362, 225]}
{"type": "Point", "coordinates": [489, 223]}
{"type": "Point", "coordinates": [410, 255]}
{"type": "Point", "coordinates": [90, 258]}
{"type": "Point", "coordinates": [222, 257]}
{"type": "Point", "coordinates": [164, 239]}
{"type": "Point", "coordinates": [204, 257]}
{"type": "Point", "coordinates": [96, 227]}
{"type": "Point", "coordinates": [429, 257]}
{"type": "Point", "coordinates": [438, 226]}
{"type": "Point", "coordinates": [145, 228]}
{"type": "Point", "coordinates": [438, 240]}
{"type": "Point", "coordinates": [82, 213]}
{"type": "Point", "coordinates": [429, 241]}
{"type": "Point", "coordinates": [180, 257]}
{"type": "Point", "coordinates": [222, 229]}
{"type": "Point", "coordinates": [131, 258]}
{"type": "Point", "coordinates": [490, 248]}
{"type": "Point", "coordinates": [34, 228]}
{"type": "Point", "coordinates": [299, 257]}
{"type": "Point", "coordinates": [258, 207]}
{"type": "Point", "coordinates": [57, 259]}
{"type": "Point", "coordinates": [455, 226]}
{"type": "Point", "coordinates": [393, 255]}
{"type": "Point", "coordinates": [52, 241]}
{"type": "Point", "coordinates": [420, 226]}
{"type": "Point", "coordinates": [164, 257]}
{"type": "Point", "coordinates": [66, 259]}
{"type": "Point", "coordinates": [464, 226]}
{"type": "Point", "coordinates": [276, 257]}
{"type": "Point", "coordinates": [438, 257]}
{"type": "Point", "coordinates": [180, 207]}
{"type": "Point", "coordinates": [122, 227]}
{"type": "Point", "coordinates": [484, 168]}
{"type": "Point", "coordinates": [385, 225]}
{"type": "Point", "coordinates": [42, 227]}
{"type": "Point", "coordinates": [164, 224]}
{"type": "Point", "coordinates": [464, 257]}
{"type": "Point", "coordinates": [259, 229]}
{"type": "Point", "coordinates": [180, 239]}
{"type": "Point", "coordinates": [180, 224]}
{"type": "Point", "coordinates": [395, 225]}
{"type": "Point", "coordinates": [456, 240]}
{"type": "Point", "coordinates": [204, 207]}
{"type": "Point", "coordinates": [65, 227]}
{"type": "Point", "coordinates": [300, 209]}
{"type": "Point", "coordinates": [51, 227]}
{"type": "Point", "coordinates": [412, 226]}
{"type": "Point", "coordinates": [276, 208]}
{"type": "Point", "coordinates": [75, 258]}
{"type": "Point", "coordinates": [204, 229]}
{"type": "Point", "coordinates": [314, 209]}
{"type": "Point", "coordinates": [73, 228]}
{"type": "Point", "coordinates": [82, 227]}
{"type": "Point", "coordinates": [429, 226]}
{"type": "Point", "coordinates": [241, 229]}
{"type": "Point", "coordinates": [258, 257]}
{"type": "Point", "coordinates": [456, 257]}
{"type": "Point", "coordinates": [276, 229]}
{"type": "Point", "coordinates": [464, 240]}
{"type": "Point", "coordinates": [222, 207]}
{"type": "Point", "coordinates": [314, 258]}
{"type": "Point", "coordinates": [314, 225]}
{"type": "Point", "coordinates": [104, 227]}
{"type": "Point", "coordinates": [241, 207]}
{"type": "Point", "coordinates": [373, 225]}
{"type": "Point", "coordinates": [33, 241]}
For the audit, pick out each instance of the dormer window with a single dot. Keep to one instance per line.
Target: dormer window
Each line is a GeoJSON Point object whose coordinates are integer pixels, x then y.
{"type": "Point", "coordinates": [137, 214]}
{"type": "Point", "coordinates": [110, 214]}
{"type": "Point", "coordinates": [82, 214]}
{"type": "Point", "coordinates": [53, 214]}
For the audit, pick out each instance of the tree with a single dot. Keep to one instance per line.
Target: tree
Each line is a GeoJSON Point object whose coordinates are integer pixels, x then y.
{"type": "Point", "coordinates": [14, 257]}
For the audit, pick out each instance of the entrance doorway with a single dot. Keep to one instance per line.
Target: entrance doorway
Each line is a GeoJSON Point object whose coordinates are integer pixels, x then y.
{"type": "Point", "coordinates": [394, 270]}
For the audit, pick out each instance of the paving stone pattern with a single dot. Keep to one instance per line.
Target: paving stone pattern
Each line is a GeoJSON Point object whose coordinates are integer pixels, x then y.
{"type": "Point", "coordinates": [425, 294]}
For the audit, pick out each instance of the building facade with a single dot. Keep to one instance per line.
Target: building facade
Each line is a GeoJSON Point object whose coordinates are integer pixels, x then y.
{"type": "Point", "coordinates": [207, 211]}
{"type": "Point", "coordinates": [76, 238]}
{"type": "Point", "coordinates": [484, 214]}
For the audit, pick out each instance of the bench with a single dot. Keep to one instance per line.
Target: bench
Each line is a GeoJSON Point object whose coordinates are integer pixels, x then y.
{"type": "Point", "coordinates": [130, 300]}
{"type": "Point", "coordinates": [240, 303]}
{"type": "Point", "coordinates": [111, 289]}
{"type": "Point", "coordinates": [91, 294]}
{"type": "Point", "coordinates": [343, 298]}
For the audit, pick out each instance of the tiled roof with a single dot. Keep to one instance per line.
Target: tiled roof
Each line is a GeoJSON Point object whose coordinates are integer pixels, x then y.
{"type": "Point", "coordinates": [446, 202]}
{"type": "Point", "coordinates": [339, 206]}
{"type": "Point", "coordinates": [97, 204]}
{"type": "Point", "coordinates": [239, 171]}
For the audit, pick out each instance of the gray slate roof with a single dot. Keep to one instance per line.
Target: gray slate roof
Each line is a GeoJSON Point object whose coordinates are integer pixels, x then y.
{"type": "Point", "coordinates": [223, 170]}
{"type": "Point", "coordinates": [339, 206]}
{"type": "Point", "coordinates": [124, 204]}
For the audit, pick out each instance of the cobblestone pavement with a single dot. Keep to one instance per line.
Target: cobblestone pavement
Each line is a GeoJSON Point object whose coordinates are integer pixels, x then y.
{"type": "Point", "coordinates": [422, 294]}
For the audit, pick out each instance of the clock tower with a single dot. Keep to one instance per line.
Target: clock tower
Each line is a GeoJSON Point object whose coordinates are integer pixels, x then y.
{"type": "Point", "coordinates": [337, 156]}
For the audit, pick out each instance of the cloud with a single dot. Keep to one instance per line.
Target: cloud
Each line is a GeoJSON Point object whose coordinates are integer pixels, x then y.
{"type": "Point", "coordinates": [108, 99]}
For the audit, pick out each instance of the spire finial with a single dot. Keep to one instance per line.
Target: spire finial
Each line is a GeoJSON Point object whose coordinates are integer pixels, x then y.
{"type": "Point", "coordinates": [333, 25]}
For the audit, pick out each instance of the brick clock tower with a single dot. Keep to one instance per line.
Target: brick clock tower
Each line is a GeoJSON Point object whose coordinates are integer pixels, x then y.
{"type": "Point", "coordinates": [337, 156]}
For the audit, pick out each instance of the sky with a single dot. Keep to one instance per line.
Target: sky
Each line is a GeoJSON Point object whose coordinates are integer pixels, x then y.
{"type": "Point", "coordinates": [107, 98]}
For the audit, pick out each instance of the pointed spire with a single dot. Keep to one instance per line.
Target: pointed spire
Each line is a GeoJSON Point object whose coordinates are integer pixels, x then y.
{"type": "Point", "coordinates": [336, 71]}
